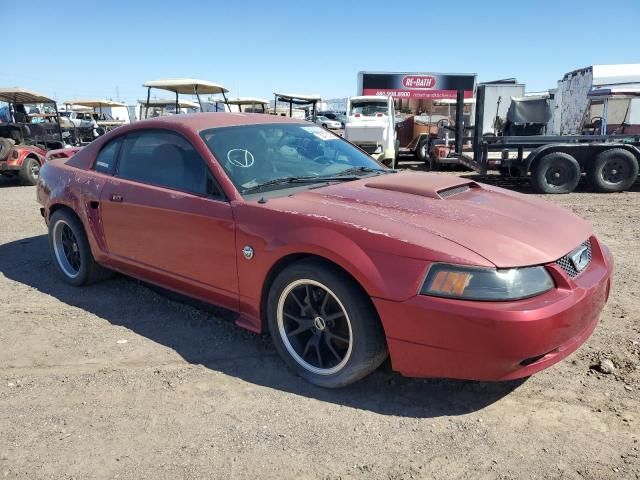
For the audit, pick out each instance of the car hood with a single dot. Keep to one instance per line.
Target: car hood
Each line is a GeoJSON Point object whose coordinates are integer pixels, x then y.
{"type": "Point", "coordinates": [506, 228]}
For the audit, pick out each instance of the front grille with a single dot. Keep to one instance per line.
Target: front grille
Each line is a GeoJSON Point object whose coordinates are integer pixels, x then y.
{"type": "Point", "coordinates": [450, 192]}
{"type": "Point", "coordinates": [567, 265]}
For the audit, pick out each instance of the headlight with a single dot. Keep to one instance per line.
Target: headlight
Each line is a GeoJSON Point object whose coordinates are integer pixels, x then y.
{"type": "Point", "coordinates": [468, 283]}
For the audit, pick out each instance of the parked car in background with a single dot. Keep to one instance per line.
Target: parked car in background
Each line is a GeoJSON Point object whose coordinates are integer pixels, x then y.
{"type": "Point", "coordinates": [342, 260]}
{"type": "Point", "coordinates": [338, 117]}
{"type": "Point", "coordinates": [326, 122]}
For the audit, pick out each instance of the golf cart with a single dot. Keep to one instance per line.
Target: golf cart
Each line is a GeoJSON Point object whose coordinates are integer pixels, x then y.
{"type": "Point", "coordinates": [306, 105]}
{"type": "Point", "coordinates": [161, 107]}
{"type": "Point", "coordinates": [106, 113]}
{"type": "Point", "coordinates": [185, 86]}
{"type": "Point", "coordinates": [250, 104]}
{"type": "Point", "coordinates": [29, 127]}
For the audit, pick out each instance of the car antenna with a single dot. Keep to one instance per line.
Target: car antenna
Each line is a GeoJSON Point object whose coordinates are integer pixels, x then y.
{"type": "Point", "coordinates": [262, 200]}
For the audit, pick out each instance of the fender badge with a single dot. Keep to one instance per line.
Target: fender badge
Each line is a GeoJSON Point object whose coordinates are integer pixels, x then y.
{"type": "Point", "coordinates": [247, 251]}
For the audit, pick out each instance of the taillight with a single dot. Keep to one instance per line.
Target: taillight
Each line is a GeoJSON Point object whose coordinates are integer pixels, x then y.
{"type": "Point", "coordinates": [378, 114]}
{"type": "Point", "coordinates": [357, 115]}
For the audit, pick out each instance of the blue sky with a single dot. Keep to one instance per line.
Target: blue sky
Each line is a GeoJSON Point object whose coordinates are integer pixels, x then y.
{"type": "Point", "coordinates": [105, 49]}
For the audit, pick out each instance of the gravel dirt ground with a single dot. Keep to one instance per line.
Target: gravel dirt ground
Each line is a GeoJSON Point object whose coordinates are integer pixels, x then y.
{"type": "Point", "coordinates": [118, 380]}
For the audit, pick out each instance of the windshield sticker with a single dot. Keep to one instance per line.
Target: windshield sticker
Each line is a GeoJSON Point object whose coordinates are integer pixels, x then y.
{"type": "Point", "coordinates": [240, 158]}
{"type": "Point", "coordinates": [320, 133]}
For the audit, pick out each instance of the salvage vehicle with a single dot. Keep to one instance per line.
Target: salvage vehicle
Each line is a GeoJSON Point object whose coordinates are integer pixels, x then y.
{"type": "Point", "coordinates": [342, 260]}
{"type": "Point", "coordinates": [25, 139]}
{"type": "Point", "coordinates": [159, 107]}
{"type": "Point", "coordinates": [105, 114]}
{"type": "Point", "coordinates": [326, 122]}
{"type": "Point", "coordinates": [371, 125]}
{"type": "Point", "coordinates": [248, 105]}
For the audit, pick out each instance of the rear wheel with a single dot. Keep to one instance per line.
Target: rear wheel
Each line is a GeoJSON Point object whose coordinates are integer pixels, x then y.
{"type": "Point", "coordinates": [70, 250]}
{"type": "Point", "coordinates": [556, 172]}
{"type": "Point", "coordinates": [30, 171]}
{"type": "Point", "coordinates": [613, 170]}
{"type": "Point", "coordinates": [323, 326]}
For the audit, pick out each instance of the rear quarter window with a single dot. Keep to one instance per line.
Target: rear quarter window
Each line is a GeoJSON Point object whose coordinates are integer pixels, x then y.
{"type": "Point", "coordinates": [106, 160]}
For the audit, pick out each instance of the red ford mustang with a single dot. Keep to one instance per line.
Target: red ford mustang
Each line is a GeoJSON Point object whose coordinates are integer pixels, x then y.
{"type": "Point", "coordinates": [342, 260]}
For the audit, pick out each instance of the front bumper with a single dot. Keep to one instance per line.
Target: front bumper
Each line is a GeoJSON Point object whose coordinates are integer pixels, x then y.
{"type": "Point", "coordinates": [438, 337]}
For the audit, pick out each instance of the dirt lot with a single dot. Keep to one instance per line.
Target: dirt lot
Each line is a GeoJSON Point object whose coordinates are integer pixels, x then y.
{"type": "Point", "coordinates": [118, 381]}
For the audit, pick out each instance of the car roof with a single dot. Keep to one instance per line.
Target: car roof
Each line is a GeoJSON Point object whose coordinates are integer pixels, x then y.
{"type": "Point", "coordinates": [203, 121]}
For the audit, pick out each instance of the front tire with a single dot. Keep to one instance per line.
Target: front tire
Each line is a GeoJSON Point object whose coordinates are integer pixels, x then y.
{"type": "Point", "coordinates": [70, 250]}
{"type": "Point", "coordinates": [323, 325]}
{"type": "Point", "coordinates": [613, 170]}
{"type": "Point", "coordinates": [556, 172]}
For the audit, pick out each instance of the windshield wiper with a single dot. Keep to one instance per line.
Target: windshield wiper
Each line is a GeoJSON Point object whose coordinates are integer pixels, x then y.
{"type": "Point", "coordinates": [307, 179]}
{"type": "Point", "coordinates": [344, 176]}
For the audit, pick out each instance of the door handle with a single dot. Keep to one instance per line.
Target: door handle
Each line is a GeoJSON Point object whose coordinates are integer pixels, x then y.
{"type": "Point", "coordinates": [116, 198]}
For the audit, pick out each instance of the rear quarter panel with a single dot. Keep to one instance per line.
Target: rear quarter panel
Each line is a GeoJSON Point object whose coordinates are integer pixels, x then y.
{"type": "Point", "coordinates": [60, 185]}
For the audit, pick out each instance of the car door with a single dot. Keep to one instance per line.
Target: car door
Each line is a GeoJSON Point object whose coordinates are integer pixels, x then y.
{"type": "Point", "coordinates": [165, 218]}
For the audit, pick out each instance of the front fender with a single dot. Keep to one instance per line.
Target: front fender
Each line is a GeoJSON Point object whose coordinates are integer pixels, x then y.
{"type": "Point", "coordinates": [381, 273]}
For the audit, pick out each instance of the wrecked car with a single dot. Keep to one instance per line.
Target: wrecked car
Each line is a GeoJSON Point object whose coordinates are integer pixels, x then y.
{"type": "Point", "coordinates": [343, 261]}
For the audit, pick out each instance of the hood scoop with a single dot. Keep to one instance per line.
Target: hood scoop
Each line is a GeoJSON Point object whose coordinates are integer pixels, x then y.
{"type": "Point", "coordinates": [435, 186]}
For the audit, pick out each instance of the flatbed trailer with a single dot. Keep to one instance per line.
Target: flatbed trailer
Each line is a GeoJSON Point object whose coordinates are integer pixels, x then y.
{"type": "Point", "coordinates": [555, 163]}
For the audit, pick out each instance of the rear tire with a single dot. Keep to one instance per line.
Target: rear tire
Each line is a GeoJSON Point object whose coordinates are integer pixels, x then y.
{"type": "Point", "coordinates": [613, 170]}
{"type": "Point", "coordinates": [323, 325]}
{"type": "Point", "coordinates": [70, 250]}
{"type": "Point", "coordinates": [30, 171]}
{"type": "Point", "coordinates": [556, 172]}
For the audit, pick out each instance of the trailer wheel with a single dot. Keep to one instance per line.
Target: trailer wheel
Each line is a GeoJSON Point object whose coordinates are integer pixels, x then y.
{"type": "Point", "coordinates": [556, 172]}
{"type": "Point", "coordinates": [613, 170]}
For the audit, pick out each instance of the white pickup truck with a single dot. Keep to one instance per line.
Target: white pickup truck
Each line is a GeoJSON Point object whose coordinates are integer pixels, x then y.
{"type": "Point", "coordinates": [371, 126]}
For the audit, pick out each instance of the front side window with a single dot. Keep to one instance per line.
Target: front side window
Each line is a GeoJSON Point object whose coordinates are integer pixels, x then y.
{"type": "Point", "coordinates": [254, 155]}
{"type": "Point", "coordinates": [165, 159]}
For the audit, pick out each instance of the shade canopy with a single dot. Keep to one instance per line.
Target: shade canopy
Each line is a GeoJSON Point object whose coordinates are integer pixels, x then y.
{"type": "Point", "coordinates": [20, 95]}
{"type": "Point", "coordinates": [165, 102]}
{"type": "Point", "coordinates": [186, 86]}
{"type": "Point", "coordinates": [95, 102]}
{"type": "Point", "coordinates": [247, 101]}
{"type": "Point", "coordinates": [297, 98]}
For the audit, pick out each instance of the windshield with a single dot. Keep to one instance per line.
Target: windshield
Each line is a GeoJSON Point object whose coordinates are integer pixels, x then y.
{"type": "Point", "coordinates": [369, 108]}
{"type": "Point", "coordinates": [253, 155]}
